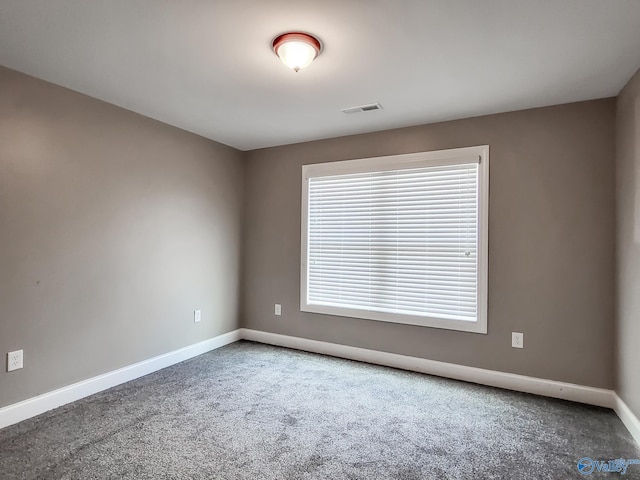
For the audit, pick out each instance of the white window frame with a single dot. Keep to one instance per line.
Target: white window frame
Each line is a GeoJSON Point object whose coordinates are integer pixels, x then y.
{"type": "Point", "coordinates": [396, 162]}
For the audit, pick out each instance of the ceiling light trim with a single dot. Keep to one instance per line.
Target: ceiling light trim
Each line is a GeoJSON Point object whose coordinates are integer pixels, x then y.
{"type": "Point", "coordinates": [299, 60]}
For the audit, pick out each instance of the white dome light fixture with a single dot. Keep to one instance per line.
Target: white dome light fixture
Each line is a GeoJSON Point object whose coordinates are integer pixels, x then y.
{"type": "Point", "coordinates": [296, 49]}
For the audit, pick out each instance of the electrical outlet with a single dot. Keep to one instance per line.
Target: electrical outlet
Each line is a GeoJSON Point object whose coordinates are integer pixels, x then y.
{"type": "Point", "coordinates": [197, 316]}
{"type": "Point", "coordinates": [14, 360]}
{"type": "Point", "coordinates": [278, 309]}
{"type": "Point", "coordinates": [517, 340]}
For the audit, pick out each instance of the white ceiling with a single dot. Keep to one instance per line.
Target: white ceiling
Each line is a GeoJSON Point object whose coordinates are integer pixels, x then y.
{"type": "Point", "coordinates": [207, 66]}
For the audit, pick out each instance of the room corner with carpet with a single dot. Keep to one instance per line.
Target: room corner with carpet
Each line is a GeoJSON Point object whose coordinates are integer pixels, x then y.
{"type": "Point", "coordinates": [250, 410]}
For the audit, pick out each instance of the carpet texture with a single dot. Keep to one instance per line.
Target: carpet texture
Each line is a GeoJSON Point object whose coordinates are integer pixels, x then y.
{"type": "Point", "coordinates": [251, 411]}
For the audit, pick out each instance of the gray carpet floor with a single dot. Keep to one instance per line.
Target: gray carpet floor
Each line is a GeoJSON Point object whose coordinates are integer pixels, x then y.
{"type": "Point", "coordinates": [251, 411]}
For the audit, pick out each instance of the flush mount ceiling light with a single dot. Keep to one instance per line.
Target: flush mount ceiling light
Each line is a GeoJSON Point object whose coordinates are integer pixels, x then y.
{"type": "Point", "coordinates": [296, 49]}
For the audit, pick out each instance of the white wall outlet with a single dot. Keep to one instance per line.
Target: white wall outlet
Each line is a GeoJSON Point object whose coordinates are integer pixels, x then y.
{"type": "Point", "coordinates": [14, 360]}
{"type": "Point", "coordinates": [278, 309]}
{"type": "Point", "coordinates": [517, 340]}
{"type": "Point", "coordinates": [197, 316]}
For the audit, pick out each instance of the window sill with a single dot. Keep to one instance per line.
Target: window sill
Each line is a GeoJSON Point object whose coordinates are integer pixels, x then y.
{"type": "Point", "coordinates": [478, 326]}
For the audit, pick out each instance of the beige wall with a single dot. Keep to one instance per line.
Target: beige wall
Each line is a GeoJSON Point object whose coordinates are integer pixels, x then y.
{"type": "Point", "coordinates": [113, 229]}
{"type": "Point", "coordinates": [551, 247]}
{"type": "Point", "coordinates": [628, 251]}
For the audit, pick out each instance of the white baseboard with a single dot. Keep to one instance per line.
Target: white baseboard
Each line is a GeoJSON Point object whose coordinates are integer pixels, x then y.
{"type": "Point", "coordinates": [35, 406]}
{"type": "Point", "coordinates": [511, 381]}
{"type": "Point", "coordinates": [628, 418]}
{"type": "Point", "coordinates": [567, 391]}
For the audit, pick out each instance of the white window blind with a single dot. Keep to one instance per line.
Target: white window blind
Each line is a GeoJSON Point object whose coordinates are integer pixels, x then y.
{"type": "Point", "coordinates": [401, 241]}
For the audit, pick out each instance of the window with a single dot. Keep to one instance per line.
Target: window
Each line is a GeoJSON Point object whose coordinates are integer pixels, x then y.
{"type": "Point", "coordinates": [399, 239]}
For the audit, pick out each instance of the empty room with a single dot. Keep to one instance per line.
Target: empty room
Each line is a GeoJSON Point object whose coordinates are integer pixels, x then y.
{"type": "Point", "coordinates": [357, 239]}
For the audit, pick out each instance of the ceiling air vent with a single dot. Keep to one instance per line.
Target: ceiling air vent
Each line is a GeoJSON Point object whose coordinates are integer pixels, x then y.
{"type": "Point", "coordinates": [363, 108]}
